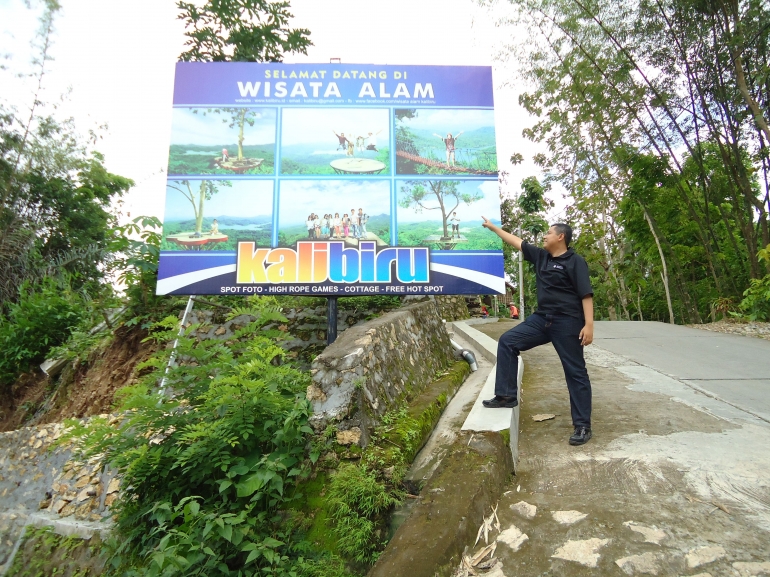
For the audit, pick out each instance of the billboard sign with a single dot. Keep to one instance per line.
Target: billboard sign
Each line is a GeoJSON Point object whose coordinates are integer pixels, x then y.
{"type": "Point", "coordinates": [331, 180]}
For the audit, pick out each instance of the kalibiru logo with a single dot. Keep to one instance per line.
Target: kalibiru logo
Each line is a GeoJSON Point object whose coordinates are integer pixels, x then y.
{"type": "Point", "coordinates": [330, 261]}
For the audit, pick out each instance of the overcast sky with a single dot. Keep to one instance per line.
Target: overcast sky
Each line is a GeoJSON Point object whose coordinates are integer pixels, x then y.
{"type": "Point", "coordinates": [118, 60]}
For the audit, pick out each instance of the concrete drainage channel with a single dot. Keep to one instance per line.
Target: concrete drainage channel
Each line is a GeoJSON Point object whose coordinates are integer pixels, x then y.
{"type": "Point", "coordinates": [459, 474]}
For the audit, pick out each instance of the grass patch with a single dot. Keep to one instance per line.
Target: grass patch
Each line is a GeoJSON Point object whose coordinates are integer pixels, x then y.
{"type": "Point", "coordinates": [43, 553]}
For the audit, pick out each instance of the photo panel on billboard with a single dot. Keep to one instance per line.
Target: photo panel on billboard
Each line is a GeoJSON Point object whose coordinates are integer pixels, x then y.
{"type": "Point", "coordinates": [217, 214]}
{"type": "Point", "coordinates": [330, 210]}
{"type": "Point", "coordinates": [447, 214]}
{"type": "Point", "coordinates": [223, 141]}
{"type": "Point", "coordinates": [335, 141]}
{"type": "Point", "coordinates": [445, 141]}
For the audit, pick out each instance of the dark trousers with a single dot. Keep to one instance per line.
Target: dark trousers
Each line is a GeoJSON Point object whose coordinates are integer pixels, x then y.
{"type": "Point", "coordinates": [561, 330]}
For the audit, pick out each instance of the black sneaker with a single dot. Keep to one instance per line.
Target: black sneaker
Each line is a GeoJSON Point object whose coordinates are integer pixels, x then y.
{"type": "Point", "coordinates": [499, 402]}
{"type": "Point", "coordinates": [581, 436]}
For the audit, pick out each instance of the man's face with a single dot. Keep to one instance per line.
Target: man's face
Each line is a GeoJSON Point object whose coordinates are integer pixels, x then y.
{"type": "Point", "coordinates": [551, 238]}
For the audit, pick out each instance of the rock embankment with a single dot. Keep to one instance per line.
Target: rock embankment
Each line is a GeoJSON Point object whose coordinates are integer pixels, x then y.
{"type": "Point", "coordinates": [372, 368]}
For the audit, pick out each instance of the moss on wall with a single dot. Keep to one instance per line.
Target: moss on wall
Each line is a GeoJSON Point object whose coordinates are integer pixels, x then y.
{"type": "Point", "coordinates": [347, 502]}
{"type": "Point", "coordinates": [43, 553]}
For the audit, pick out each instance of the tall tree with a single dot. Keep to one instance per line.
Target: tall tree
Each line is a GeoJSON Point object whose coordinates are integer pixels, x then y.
{"type": "Point", "coordinates": [612, 85]}
{"type": "Point", "coordinates": [240, 31]}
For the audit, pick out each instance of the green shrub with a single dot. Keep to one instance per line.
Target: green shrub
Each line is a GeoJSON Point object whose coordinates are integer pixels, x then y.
{"type": "Point", "coordinates": [211, 471]}
{"type": "Point", "coordinates": [43, 318]}
{"type": "Point", "coordinates": [356, 499]}
{"type": "Point", "coordinates": [756, 299]}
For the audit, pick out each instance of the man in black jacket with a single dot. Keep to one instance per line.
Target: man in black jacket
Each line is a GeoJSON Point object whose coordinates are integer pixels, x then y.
{"type": "Point", "coordinates": [564, 317]}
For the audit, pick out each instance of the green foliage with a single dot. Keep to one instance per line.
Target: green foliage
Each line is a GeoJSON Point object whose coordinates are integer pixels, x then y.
{"type": "Point", "coordinates": [43, 318]}
{"type": "Point", "coordinates": [209, 468]}
{"type": "Point", "coordinates": [135, 264]}
{"type": "Point", "coordinates": [356, 499]}
{"type": "Point", "coordinates": [55, 194]}
{"type": "Point", "coordinates": [240, 31]}
{"type": "Point", "coordinates": [756, 299]}
{"type": "Point", "coordinates": [665, 193]}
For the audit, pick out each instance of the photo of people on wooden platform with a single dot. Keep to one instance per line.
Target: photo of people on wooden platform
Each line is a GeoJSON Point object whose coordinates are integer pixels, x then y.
{"type": "Point", "coordinates": [217, 214]}
{"type": "Point", "coordinates": [446, 214]}
{"type": "Point", "coordinates": [445, 141]}
{"type": "Point", "coordinates": [344, 141]}
{"type": "Point", "coordinates": [333, 210]}
{"type": "Point", "coordinates": [232, 141]}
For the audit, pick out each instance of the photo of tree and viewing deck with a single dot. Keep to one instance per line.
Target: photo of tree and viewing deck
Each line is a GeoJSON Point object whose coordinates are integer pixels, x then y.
{"type": "Point", "coordinates": [344, 141]}
{"type": "Point", "coordinates": [232, 141]}
{"type": "Point", "coordinates": [330, 210]}
{"type": "Point", "coordinates": [216, 214]}
{"type": "Point", "coordinates": [446, 214]}
{"type": "Point", "coordinates": [444, 141]}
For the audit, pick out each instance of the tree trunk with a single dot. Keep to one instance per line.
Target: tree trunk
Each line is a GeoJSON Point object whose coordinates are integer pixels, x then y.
{"type": "Point", "coordinates": [241, 122]}
{"type": "Point", "coordinates": [199, 212]}
{"type": "Point", "coordinates": [664, 273]}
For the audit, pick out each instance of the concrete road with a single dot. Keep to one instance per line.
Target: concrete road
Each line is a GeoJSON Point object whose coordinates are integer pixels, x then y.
{"type": "Point", "coordinates": [732, 367]}
{"type": "Point", "coordinates": [674, 482]}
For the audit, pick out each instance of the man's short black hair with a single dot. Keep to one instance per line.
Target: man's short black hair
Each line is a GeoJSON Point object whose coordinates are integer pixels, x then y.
{"type": "Point", "coordinates": [565, 229]}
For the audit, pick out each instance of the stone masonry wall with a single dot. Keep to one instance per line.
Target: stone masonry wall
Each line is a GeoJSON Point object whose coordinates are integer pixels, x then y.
{"type": "Point", "coordinates": [38, 478]}
{"type": "Point", "coordinates": [371, 368]}
{"type": "Point", "coordinates": [452, 307]}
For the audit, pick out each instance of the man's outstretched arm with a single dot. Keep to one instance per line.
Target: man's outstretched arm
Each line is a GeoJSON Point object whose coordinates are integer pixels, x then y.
{"type": "Point", "coordinates": [587, 334]}
{"type": "Point", "coordinates": [507, 237]}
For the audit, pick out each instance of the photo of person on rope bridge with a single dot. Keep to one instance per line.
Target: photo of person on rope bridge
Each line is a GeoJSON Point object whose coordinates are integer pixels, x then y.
{"type": "Point", "coordinates": [449, 142]}
{"type": "Point", "coordinates": [470, 151]}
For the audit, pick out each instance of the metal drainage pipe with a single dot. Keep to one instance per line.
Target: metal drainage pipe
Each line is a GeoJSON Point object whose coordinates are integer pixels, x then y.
{"type": "Point", "coordinates": [467, 355]}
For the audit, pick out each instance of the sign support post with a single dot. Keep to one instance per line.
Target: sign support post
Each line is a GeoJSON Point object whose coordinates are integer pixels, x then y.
{"type": "Point", "coordinates": [331, 320]}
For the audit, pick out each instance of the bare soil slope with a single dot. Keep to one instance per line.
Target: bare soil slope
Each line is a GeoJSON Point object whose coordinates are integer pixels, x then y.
{"type": "Point", "coordinates": [84, 388]}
